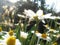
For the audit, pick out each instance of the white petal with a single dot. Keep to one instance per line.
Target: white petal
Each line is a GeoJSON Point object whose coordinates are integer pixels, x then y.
{"type": "Point", "coordinates": [1, 33]}
{"type": "Point", "coordinates": [32, 31]}
{"type": "Point", "coordinates": [2, 42]}
{"type": "Point", "coordinates": [48, 39]}
{"type": "Point", "coordinates": [47, 15]}
{"type": "Point", "coordinates": [43, 21]}
{"type": "Point", "coordinates": [55, 35]}
{"type": "Point", "coordinates": [40, 17]}
{"type": "Point", "coordinates": [52, 17]}
{"type": "Point", "coordinates": [21, 15]}
{"type": "Point", "coordinates": [38, 44]}
{"type": "Point", "coordinates": [58, 17]}
{"type": "Point", "coordinates": [17, 24]}
{"type": "Point", "coordinates": [29, 13]}
{"type": "Point", "coordinates": [6, 36]}
{"type": "Point", "coordinates": [4, 32]}
{"type": "Point", "coordinates": [18, 42]}
{"type": "Point", "coordinates": [39, 12]}
{"type": "Point", "coordinates": [56, 31]}
{"type": "Point", "coordinates": [23, 34]}
{"type": "Point", "coordinates": [38, 35]}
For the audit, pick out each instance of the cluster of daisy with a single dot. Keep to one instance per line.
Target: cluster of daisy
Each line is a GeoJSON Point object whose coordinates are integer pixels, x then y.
{"type": "Point", "coordinates": [50, 36]}
{"type": "Point", "coordinates": [33, 37]}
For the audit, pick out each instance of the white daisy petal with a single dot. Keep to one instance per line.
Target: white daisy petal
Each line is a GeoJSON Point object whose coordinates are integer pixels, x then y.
{"type": "Point", "coordinates": [29, 13]}
{"type": "Point", "coordinates": [38, 35]}
{"type": "Point", "coordinates": [32, 31]}
{"type": "Point", "coordinates": [23, 34]}
{"type": "Point", "coordinates": [6, 36]}
{"type": "Point", "coordinates": [39, 12]}
{"type": "Point", "coordinates": [43, 21]}
{"type": "Point", "coordinates": [21, 15]}
{"type": "Point", "coordinates": [48, 39]}
{"type": "Point", "coordinates": [47, 15]}
{"type": "Point", "coordinates": [56, 31]}
{"type": "Point", "coordinates": [18, 42]}
{"type": "Point", "coordinates": [1, 33]}
{"type": "Point", "coordinates": [52, 17]}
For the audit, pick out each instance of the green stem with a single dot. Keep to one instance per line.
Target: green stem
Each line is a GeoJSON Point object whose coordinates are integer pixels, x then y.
{"type": "Point", "coordinates": [56, 24]}
{"type": "Point", "coordinates": [38, 41]}
{"type": "Point", "coordinates": [33, 39]}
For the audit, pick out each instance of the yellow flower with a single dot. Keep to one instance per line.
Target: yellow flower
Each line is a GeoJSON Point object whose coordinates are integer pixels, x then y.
{"type": "Point", "coordinates": [11, 40]}
{"type": "Point", "coordinates": [0, 29]}
{"type": "Point", "coordinates": [55, 43]}
{"type": "Point", "coordinates": [44, 35]}
{"type": "Point", "coordinates": [11, 32]}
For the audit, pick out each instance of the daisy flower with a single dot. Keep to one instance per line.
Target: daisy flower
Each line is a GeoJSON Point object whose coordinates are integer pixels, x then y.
{"type": "Point", "coordinates": [10, 41]}
{"type": "Point", "coordinates": [23, 34]}
{"type": "Point", "coordinates": [8, 34]}
{"type": "Point", "coordinates": [39, 14]}
{"type": "Point", "coordinates": [43, 36]}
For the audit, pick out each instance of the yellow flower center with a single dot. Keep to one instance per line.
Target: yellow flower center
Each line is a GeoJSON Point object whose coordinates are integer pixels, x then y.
{"type": "Point", "coordinates": [0, 29]}
{"type": "Point", "coordinates": [35, 17]}
{"type": "Point", "coordinates": [11, 32]}
{"type": "Point", "coordinates": [11, 40]}
{"type": "Point", "coordinates": [44, 35]}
